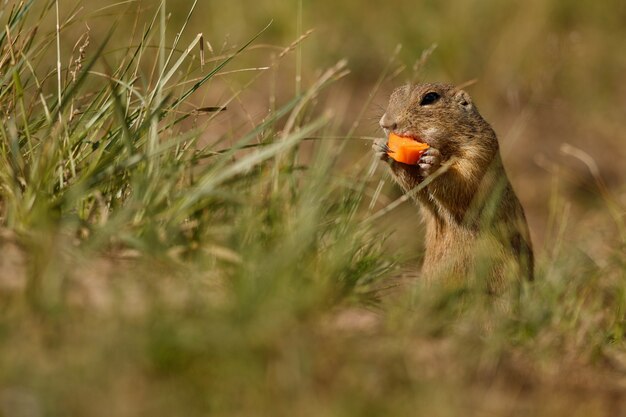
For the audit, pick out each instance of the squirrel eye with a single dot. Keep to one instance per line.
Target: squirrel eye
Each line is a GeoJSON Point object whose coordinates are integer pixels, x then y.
{"type": "Point", "coordinates": [429, 98]}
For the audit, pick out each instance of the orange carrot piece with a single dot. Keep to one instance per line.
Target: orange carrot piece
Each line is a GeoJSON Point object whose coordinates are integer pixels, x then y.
{"type": "Point", "coordinates": [404, 149]}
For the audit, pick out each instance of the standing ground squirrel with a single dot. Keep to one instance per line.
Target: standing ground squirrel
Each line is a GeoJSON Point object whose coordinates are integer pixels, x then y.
{"type": "Point", "coordinates": [475, 225]}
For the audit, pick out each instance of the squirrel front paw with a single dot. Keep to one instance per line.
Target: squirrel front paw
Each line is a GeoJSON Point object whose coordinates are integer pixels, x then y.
{"type": "Point", "coordinates": [429, 162]}
{"type": "Point", "coordinates": [380, 149]}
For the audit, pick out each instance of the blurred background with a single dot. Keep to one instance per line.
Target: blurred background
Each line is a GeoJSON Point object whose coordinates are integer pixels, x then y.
{"type": "Point", "coordinates": [228, 329]}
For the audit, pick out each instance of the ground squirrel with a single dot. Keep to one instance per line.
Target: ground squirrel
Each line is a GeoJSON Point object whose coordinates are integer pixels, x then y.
{"type": "Point", "coordinates": [475, 224]}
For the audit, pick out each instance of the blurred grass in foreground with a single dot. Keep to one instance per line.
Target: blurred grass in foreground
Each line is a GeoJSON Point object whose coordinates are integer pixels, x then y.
{"type": "Point", "coordinates": [146, 272]}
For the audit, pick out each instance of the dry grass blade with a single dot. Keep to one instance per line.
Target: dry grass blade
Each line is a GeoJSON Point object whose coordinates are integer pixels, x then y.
{"type": "Point", "coordinates": [409, 195]}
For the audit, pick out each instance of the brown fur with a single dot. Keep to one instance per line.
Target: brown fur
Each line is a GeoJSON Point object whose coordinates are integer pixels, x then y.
{"type": "Point", "coordinates": [475, 224]}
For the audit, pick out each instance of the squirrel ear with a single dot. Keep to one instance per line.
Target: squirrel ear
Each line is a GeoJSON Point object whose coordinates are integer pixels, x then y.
{"type": "Point", "coordinates": [464, 99]}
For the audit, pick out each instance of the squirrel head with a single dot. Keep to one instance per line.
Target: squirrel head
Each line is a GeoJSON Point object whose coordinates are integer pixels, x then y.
{"type": "Point", "coordinates": [440, 115]}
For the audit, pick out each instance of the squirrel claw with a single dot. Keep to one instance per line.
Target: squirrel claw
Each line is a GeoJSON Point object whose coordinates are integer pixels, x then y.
{"type": "Point", "coordinates": [381, 149]}
{"type": "Point", "coordinates": [429, 162]}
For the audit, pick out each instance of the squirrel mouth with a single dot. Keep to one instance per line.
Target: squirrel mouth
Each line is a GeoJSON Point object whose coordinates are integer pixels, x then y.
{"type": "Point", "coordinates": [411, 136]}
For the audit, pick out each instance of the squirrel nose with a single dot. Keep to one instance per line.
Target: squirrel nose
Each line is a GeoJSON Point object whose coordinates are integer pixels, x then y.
{"type": "Point", "coordinates": [387, 124]}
